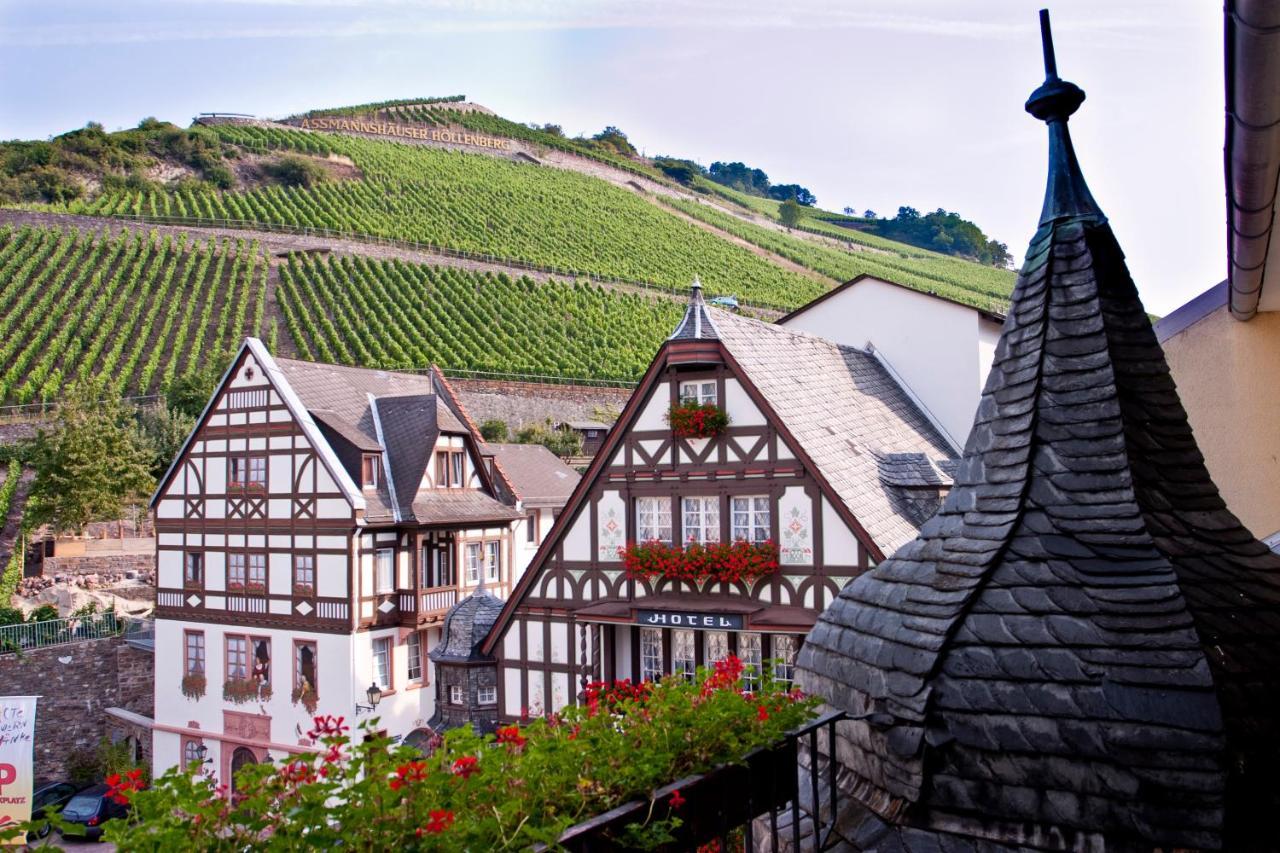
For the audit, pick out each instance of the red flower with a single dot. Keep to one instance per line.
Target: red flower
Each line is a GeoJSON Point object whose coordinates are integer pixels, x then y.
{"type": "Point", "coordinates": [573, 735]}
{"type": "Point", "coordinates": [334, 754]}
{"type": "Point", "coordinates": [762, 713]}
{"type": "Point", "coordinates": [441, 819]}
{"type": "Point", "coordinates": [512, 738]}
{"type": "Point", "coordinates": [466, 766]}
{"type": "Point", "coordinates": [414, 771]}
{"type": "Point", "coordinates": [677, 799]}
{"type": "Point", "coordinates": [119, 787]}
{"type": "Point", "coordinates": [328, 726]}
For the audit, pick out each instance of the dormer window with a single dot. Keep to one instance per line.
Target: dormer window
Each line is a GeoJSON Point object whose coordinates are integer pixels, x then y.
{"type": "Point", "coordinates": [449, 469]}
{"type": "Point", "coordinates": [701, 392]}
{"type": "Point", "coordinates": [369, 471]}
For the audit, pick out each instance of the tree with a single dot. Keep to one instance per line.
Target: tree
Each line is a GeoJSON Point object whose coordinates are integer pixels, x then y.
{"type": "Point", "coordinates": [561, 442]}
{"type": "Point", "coordinates": [91, 467]}
{"type": "Point", "coordinates": [615, 140]}
{"type": "Point", "coordinates": [869, 213]}
{"type": "Point", "coordinates": [164, 429]}
{"type": "Point", "coordinates": [494, 430]}
{"type": "Point", "coordinates": [790, 212]}
{"type": "Point", "coordinates": [782, 192]}
{"type": "Point", "coordinates": [849, 211]}
{"type": "Point", "coordinates": [189, 394]}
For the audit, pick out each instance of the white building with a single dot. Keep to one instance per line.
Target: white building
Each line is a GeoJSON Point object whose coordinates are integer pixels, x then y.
{"type": "Point", "coordinates": [311, 535]}
{"type": "Point", "coordinates": [939, 349]}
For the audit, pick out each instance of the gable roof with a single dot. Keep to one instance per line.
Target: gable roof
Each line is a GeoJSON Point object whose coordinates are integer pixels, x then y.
{"type": "Point", "coordinates": [843, 409]}
{"type": "Point", "coordinates": [798, 379]}
{"type": "Point", "coordinates": [992, 315]}
{"type": "Point", "coordinates": [1083, 644]}
{"type": "Point", "coordinates": [537, 476]}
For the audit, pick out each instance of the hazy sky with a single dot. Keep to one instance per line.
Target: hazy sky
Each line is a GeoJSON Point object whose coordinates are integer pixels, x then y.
{"type": "Point", "coordinates": [870, 104]}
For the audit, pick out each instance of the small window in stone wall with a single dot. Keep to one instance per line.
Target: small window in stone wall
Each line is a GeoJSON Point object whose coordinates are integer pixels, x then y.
{"type": "Point", "coordinates": [455, 694]}
{"type": "Point", "coordinates": [487, 696]}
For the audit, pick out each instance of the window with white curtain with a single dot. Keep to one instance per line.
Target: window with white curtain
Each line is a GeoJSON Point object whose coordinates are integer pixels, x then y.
{"type": "Point", "coordinates": [650, 654]}
{"type": "Point", "coordinates": [717, 646]}
{"type": "Point", "coordinates": [784, 655]}
{"type": "Point", "coordinates": [751, 518]}
{"type": "Point", "coordinates": [386, 564]}
{"type": "Point", "coordinates": [653, 519]}
{"type": "Point", "coordinates": [699, 392]}
{"type": "Point", "coordinates": [749, 652]}
{"type": "Point", "coordinates": [684, 663]}
{"type": "Point", "coordinates": [701, 519]}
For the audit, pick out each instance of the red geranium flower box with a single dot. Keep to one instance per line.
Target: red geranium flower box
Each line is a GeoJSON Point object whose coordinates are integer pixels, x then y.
{"type": "Point", "coordinates": [690, 419]}
{"type": "Point", "coordinates": [737, 561]}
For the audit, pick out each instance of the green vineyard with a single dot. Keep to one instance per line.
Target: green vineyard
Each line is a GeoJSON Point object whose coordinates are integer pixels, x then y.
{"type": "Point", "coordinates": [129, 309]}
{"type": "Point", "coordinates": [475, 203]}
{"type": "Point", "coordinates": [394, 314]}
{"type": "Point", "coordinates": [983, 287]}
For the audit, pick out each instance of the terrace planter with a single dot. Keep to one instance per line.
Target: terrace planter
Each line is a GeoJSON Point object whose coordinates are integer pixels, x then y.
{"type": "Point", "coordinates": [715, 802]}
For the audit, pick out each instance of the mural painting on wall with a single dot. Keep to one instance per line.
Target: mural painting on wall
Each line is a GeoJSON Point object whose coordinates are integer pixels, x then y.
{"type": "Point", "coordinates": [794, 529]}
{"type": "Point", "coordinates": [612, 529]}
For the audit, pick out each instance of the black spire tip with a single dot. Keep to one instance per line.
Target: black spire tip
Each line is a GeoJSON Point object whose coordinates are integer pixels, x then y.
{"type": "Point", "coordinates": [1067, 194]}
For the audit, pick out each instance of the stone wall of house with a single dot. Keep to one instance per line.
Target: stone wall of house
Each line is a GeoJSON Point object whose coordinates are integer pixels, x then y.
{"type": "Point", "coordinates": [76, 683]}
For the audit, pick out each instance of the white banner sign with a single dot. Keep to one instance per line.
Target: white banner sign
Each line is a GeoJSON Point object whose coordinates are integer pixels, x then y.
{"type": "Point", "coordinates": [17, 774]}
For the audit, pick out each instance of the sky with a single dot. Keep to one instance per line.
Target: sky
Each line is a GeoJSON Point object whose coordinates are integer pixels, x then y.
{"type": "Point", "coordinates": [871, 104]}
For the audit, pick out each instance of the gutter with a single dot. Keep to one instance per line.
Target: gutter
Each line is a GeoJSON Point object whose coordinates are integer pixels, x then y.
{"type": "Point", "coordinates": [1252, 147]}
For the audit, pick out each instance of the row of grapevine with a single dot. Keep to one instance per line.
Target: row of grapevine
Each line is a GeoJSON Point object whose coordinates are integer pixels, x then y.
{"type": "Point", "coordinates": [476, 203]}
{"type": "Point", "coordinates": [11, 574]}
{"type": "Point", "coordinates": [935, 274]}
{"type": "Point", "coordinates": [393, 314]}
{"type": "Point", "coordinates": [131, 309]}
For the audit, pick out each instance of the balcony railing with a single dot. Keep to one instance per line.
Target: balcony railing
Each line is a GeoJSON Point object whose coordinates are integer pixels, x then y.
{"type": "Point", "coordinates": [427, 603]}
{"type": "Point", "coordinates": [59, 632]}
{"type": "Point", "coordinates": [780, 798]}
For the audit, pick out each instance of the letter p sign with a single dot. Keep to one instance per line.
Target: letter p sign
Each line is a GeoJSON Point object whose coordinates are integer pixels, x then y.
{"type": "Point", "coordinates": [8, 775]}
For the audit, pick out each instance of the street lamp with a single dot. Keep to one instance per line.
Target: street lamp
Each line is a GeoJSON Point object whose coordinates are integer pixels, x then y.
{"type": "Point", "coordinates": [375, 696]}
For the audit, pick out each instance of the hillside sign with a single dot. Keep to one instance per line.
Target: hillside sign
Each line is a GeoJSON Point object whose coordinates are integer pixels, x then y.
{"type": "Point", "coordinates": [405, 131]}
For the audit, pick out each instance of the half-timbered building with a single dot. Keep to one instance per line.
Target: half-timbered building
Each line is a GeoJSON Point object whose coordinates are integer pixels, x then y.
{"type": "Point", "coordinates": [312, 534]}
{"type": "Point", "coordinates": [824, 456]}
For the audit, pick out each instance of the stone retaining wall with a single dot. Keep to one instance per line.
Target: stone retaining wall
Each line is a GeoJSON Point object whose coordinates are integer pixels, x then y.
{"type": "Point", "coordinates": [76, 683]}
{"type": "Point", "coordinates": [107, 565]}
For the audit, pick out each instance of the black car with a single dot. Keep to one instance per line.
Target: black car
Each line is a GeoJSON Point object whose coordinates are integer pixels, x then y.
{"type": "Point", "coordinates": [91, 808]}
{"type": "Point", "coordinates": [53, 794]}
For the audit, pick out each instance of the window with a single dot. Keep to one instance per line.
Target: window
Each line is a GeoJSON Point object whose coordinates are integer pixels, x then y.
{"type": "Point", "coordinates": [304, 666]}
{"type": "Point", "coordinates": [195, 652]}
{"type": "Point", "coordinates": [531, 527]}
{"type": "Point", "coordinates": [257, 573]}
{"type": "Point", "coordinates": [650, 654]}
{"type": "Point", "coordinates": [304, 574]}
{"type": "Point", "coordinates": [237, 657]}
{"type": "Point", "coordinates": [236, 572]}
{"type": "Point", "coordinates": [699, 392]}
{"type": "Point", "coordinates": [749, 654]}
{"type": "Point", "coordinates": [257, 470]}
{"type": "Point", "coordinates": [784, 654]}
{"type": "Point", "coordinates": [717, 646]}
{"type": "Point", "coordinates": [437, 566]}
{"type": "Point", "coordinates": [701, 520]}
{"type": "Point", "coordinates": [414, 644]}
{"type": "Point", "coordinates": [446, 574]}
{"type": "Point", "coordinates": [262, 660]}
{"type": "Point", "coordinates": [492, 560]}
{"type": "Point", "coordinates": [751, 518]}
{"type": "Point", "coordinates": [456, 459]}
{"type": "Point", "coordinates": [190, 753]}
{"type": "Point", "coordinates": [385, 559]}
{"type": "Point", "coordinates": [247, 471]}
{"type": "Point", "coordinates": [653, 519]}
{"type": "Point", "coordinates": [487, 696]}
{"type": "Point", "coordinates": [382, 662]}
{"type": "Point", "coordinates": [193, 569]}
{"type": "Point", "coordinates": [442, 469]}
{"type": "Point", "coordinates": [237, 475]}
{"type": "Point", "coordinates": [683, 661]}
{"type": "Point", "coordinates": [473, 562]}
{"type": "Point", "coordinates": [369, 466]}
{"type": "Point", "coordinates": [455, 694]}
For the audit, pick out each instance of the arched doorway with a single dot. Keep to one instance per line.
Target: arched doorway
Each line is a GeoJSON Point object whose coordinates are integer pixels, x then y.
{"type": "Point", "coordinates": [242, 757]}
{"type": "Point", "coordinates": [421, 740]}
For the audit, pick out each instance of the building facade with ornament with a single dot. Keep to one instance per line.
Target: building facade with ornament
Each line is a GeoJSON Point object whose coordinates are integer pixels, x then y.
{"type": "Point", "coordinates": [312, 534]}
{"type": "Point", "coordinates": [755, 471]}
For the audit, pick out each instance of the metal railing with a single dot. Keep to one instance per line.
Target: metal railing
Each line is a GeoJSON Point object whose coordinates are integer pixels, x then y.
{"type": "Point", "coordinates": [24, 412]}
{"type": "Point", "coordinates": [59, 632]}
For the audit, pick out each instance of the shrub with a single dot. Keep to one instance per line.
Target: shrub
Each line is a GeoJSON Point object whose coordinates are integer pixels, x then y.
{"type": "Point", "coordinates": [294, 171]}
{"type": "Point", "coordinates": [494, 430]}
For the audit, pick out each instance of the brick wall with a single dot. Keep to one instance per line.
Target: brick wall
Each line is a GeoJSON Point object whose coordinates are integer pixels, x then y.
{"type": "Point", "coordinates": [76, 683]}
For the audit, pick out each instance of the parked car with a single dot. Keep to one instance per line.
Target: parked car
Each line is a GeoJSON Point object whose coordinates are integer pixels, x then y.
{"type": "Point", "coordinates": [91, 808]}
{"type": "Point", "coordinates": [53, 794]}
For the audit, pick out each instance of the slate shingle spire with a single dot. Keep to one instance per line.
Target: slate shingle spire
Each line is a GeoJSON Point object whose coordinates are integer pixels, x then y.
{"type": "Point", "coordinates": [696, 323]}
{"type": "Point", "coordinates": [1081, 650]}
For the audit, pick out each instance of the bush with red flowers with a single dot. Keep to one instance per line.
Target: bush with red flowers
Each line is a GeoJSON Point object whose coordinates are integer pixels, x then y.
{"type": "Point", "coordinates": [737, 561]}
{"type": "Point", "coordinates": [691, 419]}
{"type": "Point", "coordinates": [517, 790]}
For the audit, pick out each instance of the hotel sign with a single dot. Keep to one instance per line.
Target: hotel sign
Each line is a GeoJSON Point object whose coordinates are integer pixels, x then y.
{"type": "Point", "coordinates": [677, 619]}
{"type": "Point", "coordinates": [405, 131]}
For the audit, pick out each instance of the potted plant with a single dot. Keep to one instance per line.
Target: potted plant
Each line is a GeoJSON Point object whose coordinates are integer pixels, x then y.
{"type": "Point", "coordinates": [194, 685]}
{"type": "Point", "coordinates": [305, 695]}
{"type": "Point", "coordinates": [691, 419]}
{"type": "Point", "coordinates": [241, 690]}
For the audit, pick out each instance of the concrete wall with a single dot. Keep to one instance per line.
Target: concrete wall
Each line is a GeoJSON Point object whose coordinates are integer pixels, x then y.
{"type": "Point", "coordinates": [1228, 376]}
{"type": "Point", "coordinates": [942, 350]}
{"type": "Point", "coordinates": [76, 683]}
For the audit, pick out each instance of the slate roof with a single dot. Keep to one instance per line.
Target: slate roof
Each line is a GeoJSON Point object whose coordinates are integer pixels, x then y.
{"type": "Point", "coordinates": [465, 627]}
{"type": "Point", "coordinates": [536, 474]}
{"type": "Point", "coordinates": [403, 414]}
{"type": "Point", "coordinates": [845, 411]}
{"type": "Point", "coordinates": [1082, 648]}
{"type": "Point", "coordinates": [696, 324]}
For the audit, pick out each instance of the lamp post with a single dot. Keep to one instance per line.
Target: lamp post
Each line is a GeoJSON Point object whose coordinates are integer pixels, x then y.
{"type": "Point", "coordinates": [374, 694]}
